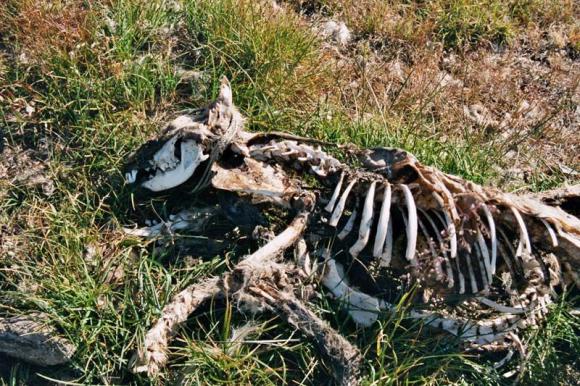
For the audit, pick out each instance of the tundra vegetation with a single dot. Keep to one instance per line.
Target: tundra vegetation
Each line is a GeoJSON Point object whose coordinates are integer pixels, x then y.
{"type": "Point", "coordinates": [487, 90]}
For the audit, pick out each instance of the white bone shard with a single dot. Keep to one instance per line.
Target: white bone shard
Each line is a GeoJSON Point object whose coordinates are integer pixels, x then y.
{"type": "Point", "coordinates": [335, 195]}
{"type": "Point", "coordinates": [412, 225]}
{"type": "Point", "coordinates": [523, 231]}
{"type": "Point", "coordinates": [449, 225]}
{"type": "Point", "coordinates": [191, 156]}
{"type": "Point", "coordinates": [493, 237]}
{"type": "Point", "coordinates": [349, 224]}
{"type": "Point", "coordinates": [388, 250]}
{"type": "Point", "coordinates": [551, 232]}
{"type": "Point", "coordinates": [363, 309]}
{"type": "Point", "coordinates": [383, 222]}
{"type": "Point", "coordinates": [366, 222]}
{"type": "Point", "coordinates": [340, 206]}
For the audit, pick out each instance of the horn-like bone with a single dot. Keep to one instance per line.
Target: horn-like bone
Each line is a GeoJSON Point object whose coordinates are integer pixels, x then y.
{"type": "Point", "coordinates": [335, 195]}
{"type": "Point", "coordinates": [366, 222]}
{"type": "Point", "coordinates": [383, 222]}
{"type": "Point", "coordinates": [340, 206]}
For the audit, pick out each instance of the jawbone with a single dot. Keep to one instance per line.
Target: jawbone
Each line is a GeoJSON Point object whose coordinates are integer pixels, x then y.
{"type": "Point", "coordinates": [191, 156]}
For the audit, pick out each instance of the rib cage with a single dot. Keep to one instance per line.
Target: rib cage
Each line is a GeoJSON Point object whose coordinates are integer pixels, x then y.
{"type": "Point", "coordinates": [458, 236]}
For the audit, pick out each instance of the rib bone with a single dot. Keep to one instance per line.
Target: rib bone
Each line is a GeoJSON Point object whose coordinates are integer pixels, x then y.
{"type": "Point", "coordinates": [525, 239]}
{"type": "Point", "coordinates": [335, 195]}
{"type": "Point", "coordinates": [412, 226]}
{"type": "Point", "coordinates": [493, 237]}
{"type": "Point", "coordinates": [383, 222]}
{"type": "Point", "coordinates": [388, 250]}
{"type": "Point", "coordinates": [349, 224]}
{"type": "Point", "coordinates": [340, 206]}
{"type": "Point", "coordinates": [366, 222]}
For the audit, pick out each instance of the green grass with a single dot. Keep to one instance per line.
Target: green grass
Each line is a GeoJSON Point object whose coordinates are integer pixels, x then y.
{"type": "Point", "coordinates": [100, 96]}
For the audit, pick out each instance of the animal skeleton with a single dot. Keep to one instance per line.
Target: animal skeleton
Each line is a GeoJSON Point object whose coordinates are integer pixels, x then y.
{"type": "Point", "coordinates": [449, 236]}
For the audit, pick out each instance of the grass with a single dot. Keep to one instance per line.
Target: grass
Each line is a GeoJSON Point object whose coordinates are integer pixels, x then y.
{"type": "Point", "coordinates": [101, 77]}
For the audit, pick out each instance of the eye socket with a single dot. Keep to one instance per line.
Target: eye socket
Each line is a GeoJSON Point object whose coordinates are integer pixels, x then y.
{"type": "Point", "coordinates": [177, 148]}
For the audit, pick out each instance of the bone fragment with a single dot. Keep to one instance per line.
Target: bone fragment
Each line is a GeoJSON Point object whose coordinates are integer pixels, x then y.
{"type": "Point", "coordinates": [450, 225]}
{"type": "Point", "coordinates": [492, 236]}
{"type": "Point", "coordinates": [412, 226]}
{"type": "Point", "coordinates": [383, 222]}
{"type": "Point", "coordinates": [340, 206]}
{"type": "Point", "coordinates": [502, 308]}
{"type": "Point", "coordinates": [366, 222]}
{"type": "Point", "coordinates": [329, 208]}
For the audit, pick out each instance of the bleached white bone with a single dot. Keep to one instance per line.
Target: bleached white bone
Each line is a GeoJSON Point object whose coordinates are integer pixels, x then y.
{"type": "Point", "coordinates": [349, 224]}
{"type": "Point", "coordinates": [363, 309]}
{"type": "Point", "coordinates": [412, 226]}
{"type": "Point", "coordinates": [131, 177]}
{"type": "Point", "coordinates": [383, 223]}
{"type": "Point", "coordinates": [340, 206]}
{"type": "Point", "coordinates": [191, 156]}
{"type": "Point", "coordinates": [387, 254]}
{"type": "Point", "coordinates": [523, 230]}
{"type": "Point", "coordinates": [492, 236]}
{"type": "Point", "coordinates": [335, 195]}
{"type": "Point", "coordinates": [366, 222]}
{"type": "Point", "coordinates": [551, 232]}
{"type": "Point", "coordinates": [449, 224]}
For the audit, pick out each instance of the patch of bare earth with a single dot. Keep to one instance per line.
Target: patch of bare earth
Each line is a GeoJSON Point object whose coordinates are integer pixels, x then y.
{"type": "Point", "coordinates": [523, 98]}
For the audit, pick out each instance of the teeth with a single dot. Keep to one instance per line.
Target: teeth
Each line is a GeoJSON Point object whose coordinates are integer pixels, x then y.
{"type": "Point", "coordinates": [550, 232]}
{"type": "Point", "coordinates": [192, 155]}
{"type": "Point", "coordinates": [388, 251]}
{"type": "Point", "coordinates": [340, 206]}
{"type": "Point", "coordinates": [366, 222]}
{"type": "Point", "coordinates": [524, 238]}
{"type": "Point", "coordinates": [412, 225]}
{"type": "Point", "coordinates": [493, 237]}
{"type": "Point", "coordinates": [131, 176]}
{"type": "Point", "coordinates": [441, 246]}
{"type": "Point", "coordinates": [349, 224]}
{"type": "Point", "coordinates": [335, 195]}
{"type": "Point", "coordinates": [485, 252]}
{"type": "Point", "coordinates": [449, 225]}
{"type": "Point", "coordinates": [383, 222]}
